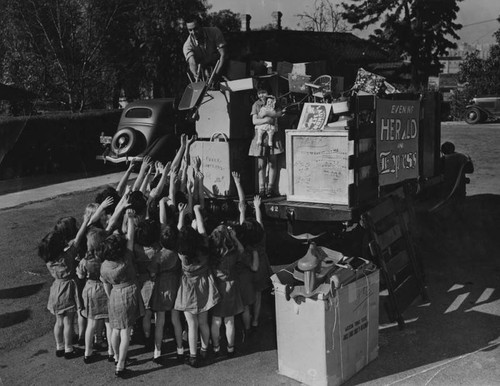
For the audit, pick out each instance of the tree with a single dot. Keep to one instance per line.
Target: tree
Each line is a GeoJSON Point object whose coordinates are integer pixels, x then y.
{"type": "Point", "coordinates": [416, 29]}
{"type": "Point", "coordinates": [226, 20]}
{"type": "Point", "coordinates": [326, 17]}
{"type": "Point", "coordinates": [478, 76]}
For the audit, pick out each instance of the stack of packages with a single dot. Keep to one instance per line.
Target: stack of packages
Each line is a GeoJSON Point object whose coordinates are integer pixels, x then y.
{"type": "Point", "coordinates": [328, 332]}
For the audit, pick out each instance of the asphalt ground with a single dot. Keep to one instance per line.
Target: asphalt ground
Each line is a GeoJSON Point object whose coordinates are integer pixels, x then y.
{"type": "Point", "coordinates": [451, 340]}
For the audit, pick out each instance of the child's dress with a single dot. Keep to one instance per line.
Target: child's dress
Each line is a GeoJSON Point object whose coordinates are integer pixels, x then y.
{"type": "Point", "coordinates": [95, 300]}
{"type": "Point", "coordinates": [63, 295]}
{"type": "Point", "coordinates": [264, 150]}
{"type": "Point", "coordinates": [125, 301]}
{"type": "Point", "coordinates": [197, 291]}
{"type": "Point", "coordinates": [263, 274]}
{"type": "Point", "coordinates": [245, 277]}
{"type": "Point", "coordinates": [228, 287]}
{"type": "Point", "coordinates": [143, 260]}
{"type": "Point", "coordinates": [167, 267]}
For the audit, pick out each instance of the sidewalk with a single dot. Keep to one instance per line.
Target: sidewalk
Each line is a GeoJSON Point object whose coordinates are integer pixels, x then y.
{"type": "Point", "coordinates": [25, 197]}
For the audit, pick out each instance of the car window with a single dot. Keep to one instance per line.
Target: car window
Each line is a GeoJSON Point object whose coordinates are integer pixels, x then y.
{"type": "Point", "coordinates": [139, 112]}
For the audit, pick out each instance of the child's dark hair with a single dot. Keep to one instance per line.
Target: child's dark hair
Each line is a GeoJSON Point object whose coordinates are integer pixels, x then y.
{"type": "Point", "coordinates": [221, 243]}
{"type": "Point", "coordinates": [168, 238]}
{"type": "Point", "coordinates": [251, 232]}
{"type": "Point", "coordinates": [137, 202]}
{"type": "Point", "coordinates": [189, 242]}
{"type": "Point", "coordinates": [108, 191]}
{"type": "Point", "coordinates": [147, 232]}
{"type": "Point", "coordinates": [153, 209]}
{"type": "Point", "coordinates": [180, 197]}
{"type": "Point", "coordinates": [113, 247]}
{"type": "Point", "coordinates": [66, 226]}
{"type": "Point", "coordinates": [51, 246]}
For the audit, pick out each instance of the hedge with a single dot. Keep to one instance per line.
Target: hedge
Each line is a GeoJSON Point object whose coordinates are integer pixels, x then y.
{"type": "Point", "coordinates": [53, 143]}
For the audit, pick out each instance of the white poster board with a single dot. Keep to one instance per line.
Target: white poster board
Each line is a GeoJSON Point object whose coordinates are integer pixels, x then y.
{"type": "Point", "coordinates": [318, 166]}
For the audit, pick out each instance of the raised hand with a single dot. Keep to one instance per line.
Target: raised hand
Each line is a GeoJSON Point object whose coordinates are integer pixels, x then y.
{"type": "Point", "coordinates": [257, 201]}
{"type": "Point", "coordinates": [197, 163]}
{"type": "Point", "coordinates": [236, 177]}
{"type": "Point", "coordinates": [146, 162]}
{"type": "Point", "coordinates": [181, 206]}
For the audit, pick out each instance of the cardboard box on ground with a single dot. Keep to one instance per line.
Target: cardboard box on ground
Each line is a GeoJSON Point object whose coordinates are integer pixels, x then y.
{"type": "Point", "coordinates": [328, 340]}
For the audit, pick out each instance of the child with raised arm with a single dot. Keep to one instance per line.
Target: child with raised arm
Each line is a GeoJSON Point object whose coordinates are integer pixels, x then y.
{"type": "Point", "coordinates": [125, 304]}
{"type": "Point", "coordinates": [197, 292]}
{"type": "Point", "coordinates": [60, 258]}
{"type": "Point", "coordinates": [225, 250]}
{"type": "Point", "coordinates": [262, 276]}
{"type": "Point", "coordinates": [249, 235]}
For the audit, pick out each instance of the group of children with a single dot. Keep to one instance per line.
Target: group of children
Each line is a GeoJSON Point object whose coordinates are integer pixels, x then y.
{"type": "Point", "coordinates": [145, 250]}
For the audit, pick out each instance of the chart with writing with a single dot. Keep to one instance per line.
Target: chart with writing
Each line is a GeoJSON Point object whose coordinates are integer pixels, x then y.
{"type": "Point", "coordinates": [319, 167]}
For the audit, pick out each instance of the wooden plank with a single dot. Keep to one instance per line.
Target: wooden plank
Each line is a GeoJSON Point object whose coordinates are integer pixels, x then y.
{"type": "Point", "coordinates": [384, 209]}
{"type": "Point", "coordinates": [398, 263]}
{"type": "Point", "coordinates": [389, 237]}
{"type": "Point", "coordinates": [407, 292]}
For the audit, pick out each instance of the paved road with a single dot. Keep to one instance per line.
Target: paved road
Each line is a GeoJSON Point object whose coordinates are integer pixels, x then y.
{"type": "Point", "coordinates": [452, 340]}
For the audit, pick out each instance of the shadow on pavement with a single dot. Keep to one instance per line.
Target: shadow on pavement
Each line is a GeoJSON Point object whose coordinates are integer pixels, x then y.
{"type": "Point", "coordinates": [21, 291]}
{"type": "Point", "coordinates": [459, 246]}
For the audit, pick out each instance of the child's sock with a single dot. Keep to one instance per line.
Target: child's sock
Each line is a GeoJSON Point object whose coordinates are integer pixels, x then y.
{"type": "Point", "coordinates": [157, 353]}
{"type": "Point", "coordinates": [180, 350]}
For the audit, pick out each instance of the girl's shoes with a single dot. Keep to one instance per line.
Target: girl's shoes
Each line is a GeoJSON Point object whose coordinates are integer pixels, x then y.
{"type": "Point", "coordinates": [90, 359]}
{"type": "Point", "coordinates": [158, 360]}
{"type": "Point", "coordinates": [60, 353]}
{"type": "Point", "coordinates": [122, 373]}
{"type": "Point", "coordinates": [111, 358]}
{"type": "Point", "coordinates": [193, 362]}
{"type": "Point", "coordinates": [72, 354]}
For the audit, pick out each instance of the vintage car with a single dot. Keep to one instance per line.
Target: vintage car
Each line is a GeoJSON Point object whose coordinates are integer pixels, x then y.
{"type": "Point", "coordinates": [147, 127]}
{"type": "Point", "coordinates": [482, 109]}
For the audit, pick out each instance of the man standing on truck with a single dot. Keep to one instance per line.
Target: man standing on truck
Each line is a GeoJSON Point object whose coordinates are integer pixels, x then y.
{"type": "Point", "coordinates": [204, 48]}
{"type": "Point", "coordinates": [455, 166]}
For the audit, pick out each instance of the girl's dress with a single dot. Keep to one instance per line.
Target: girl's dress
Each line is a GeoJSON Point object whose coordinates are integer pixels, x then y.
{"type": "Point", "coordinates": [264, 150]}
{"type": "Point", "coordinates": [125, 302]}
{"type": "Point", "coordinates": [95, 300]}
{"type": "Point", "coordinates": [197, 291]}
{"type": "Point", "coordinates": [143, 260]}
{"type": "Point", "coordinates": [167, 267]}
{"type": "Point", "coordinates": [245, 277]}
{"type": "Point", "coordinates": [63, 295]}
{"type": "Point", "coordinates": [226, 280]}
{"type": "Point", "coordinates": [261, 279]}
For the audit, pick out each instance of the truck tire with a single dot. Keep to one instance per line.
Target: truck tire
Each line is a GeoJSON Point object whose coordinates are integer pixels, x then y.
{"type": "Point", "coordinates": [473, 115]}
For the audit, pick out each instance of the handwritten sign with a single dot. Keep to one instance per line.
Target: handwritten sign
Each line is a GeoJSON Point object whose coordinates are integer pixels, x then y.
{"type": "Point", "coordinates": [318, 166]}
{"type": "Point", "coordinates": [397, 140]}
{"type": "Point", "coordinates": [314, 116]}
{"type": "Point", "coordinates": [215, 165]}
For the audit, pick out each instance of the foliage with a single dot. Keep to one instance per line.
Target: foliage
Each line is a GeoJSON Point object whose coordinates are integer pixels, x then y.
{"type": "Point", "coordinates": [478, 76]}
{"type": "Point", "coordinates": [416, 29]}
{"type": "Point", "coordinates": [226, 20]}
{"type": "Point", "coordinates": [326, 17]}
{"type": "Point", "coordinates": [84, 52]}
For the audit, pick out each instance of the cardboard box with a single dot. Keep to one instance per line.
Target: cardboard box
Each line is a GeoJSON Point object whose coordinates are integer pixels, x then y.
{"type": "Point", "coordinates": [314, 69]}
{"type": "Point", "coordinates": [327, 341]}
{"type": "Point", "coordinates": [219, 159]}
{"type": "Point", "coordinates": [226, 112]}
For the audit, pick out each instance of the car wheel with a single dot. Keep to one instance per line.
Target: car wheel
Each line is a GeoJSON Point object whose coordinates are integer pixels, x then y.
{"type": "Point", "coordinates": [473, 115]}
{"type": "Point", "coordinates": [124, 141]}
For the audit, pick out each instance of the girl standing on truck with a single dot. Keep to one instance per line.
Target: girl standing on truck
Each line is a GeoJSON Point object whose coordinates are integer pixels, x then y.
{"type": "Point", "coordinates": [267, 154]}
